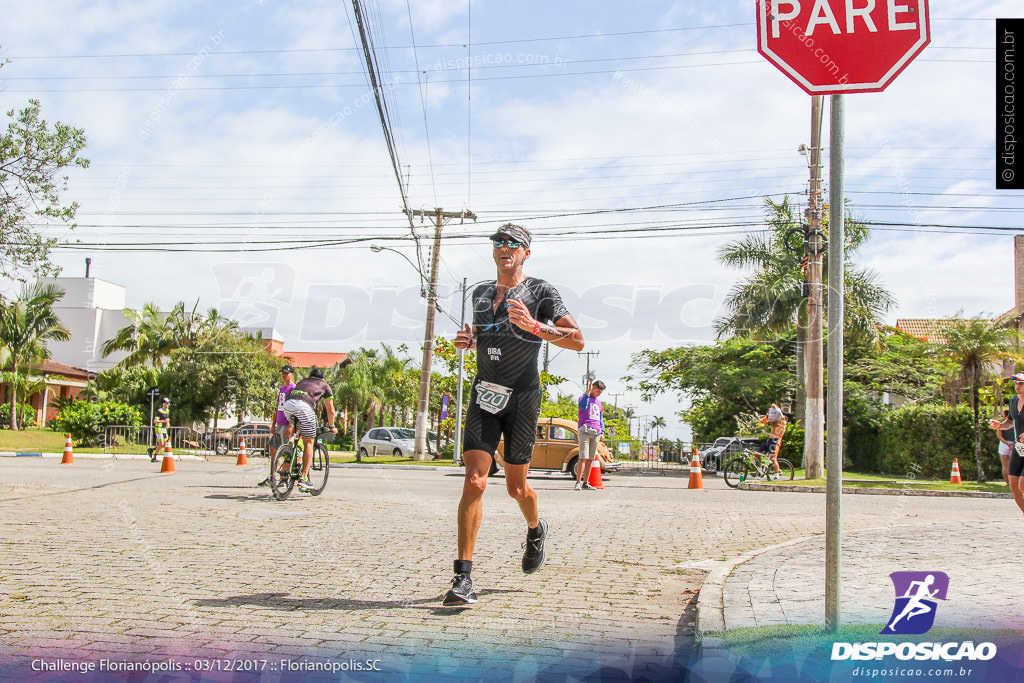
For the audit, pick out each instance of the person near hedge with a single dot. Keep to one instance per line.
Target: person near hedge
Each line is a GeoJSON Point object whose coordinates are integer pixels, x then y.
{"type": "Point", "coordinates": [1004, 432]}
{"type": "Point", "coordinates": [1016, 465]}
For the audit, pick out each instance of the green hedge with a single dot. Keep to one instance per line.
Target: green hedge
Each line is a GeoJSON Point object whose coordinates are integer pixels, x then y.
{"type": "Point", "coordinates": [86, 421]}
{"type": "Point", "coordinates": [924, 439]}
{"type": "Point", "coordinates": [26, 416]}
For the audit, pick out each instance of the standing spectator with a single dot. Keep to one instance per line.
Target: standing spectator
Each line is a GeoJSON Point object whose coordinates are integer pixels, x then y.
{"type": "Point", "coordinates": [1015, 468]}
{"type": "Point", "coordinates": [773, 443]}
{"type": "Point", "coordinates": [282, 428]}
{"type": "Point", "coordinates": [1004, 432]}
{"type": "Point", "coordinates": [161, 427]}
{"type": "Point", "coordinates": [590, 421]}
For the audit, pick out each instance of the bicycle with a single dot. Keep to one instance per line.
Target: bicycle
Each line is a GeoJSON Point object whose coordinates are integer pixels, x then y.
{"type": "Point", "coordinates": [751, 464]}
{"type": "Point", "coordinates": [286, 464]}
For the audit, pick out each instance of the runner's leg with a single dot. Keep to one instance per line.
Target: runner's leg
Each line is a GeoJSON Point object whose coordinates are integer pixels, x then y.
{"type": "Point", "coordinates": [471, 506]}
{"type": "Point", "coordinates": [522, 492]}
{"type": "Point", "coordinates": [1018, 494]}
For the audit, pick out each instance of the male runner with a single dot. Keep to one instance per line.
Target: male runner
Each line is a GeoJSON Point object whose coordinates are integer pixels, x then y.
{"type": "Point", "coordinates": [301, 405]}
{"type": "Point", "coordinates": [161, 425]}
{"type": "Point", "coordinates": [282, 428]}
{"type": "Point", "coordinates": [511, 317]}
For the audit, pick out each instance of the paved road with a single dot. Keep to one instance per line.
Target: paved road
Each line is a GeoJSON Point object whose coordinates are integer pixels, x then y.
{"type": "Point", "coordinates": [113, 560]}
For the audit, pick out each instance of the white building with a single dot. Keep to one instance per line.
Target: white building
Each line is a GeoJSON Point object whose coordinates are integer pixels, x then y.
{"type": "Point", "coordinates": [93, 310]}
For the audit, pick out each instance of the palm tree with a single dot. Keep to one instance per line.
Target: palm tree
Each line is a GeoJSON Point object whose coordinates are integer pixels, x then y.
{"type": "Point", "coordinates": [975, 344]}
{"type": "Point", "coordinates": [151, 336]}
{"type": "Point", "coordinates": [658, 423]}
{"type": "Point", "coordinates": [27, 323]}
{"type": "Point", "coordinates": [770, 302]}
{"type": "Point", "coordinates": [147, 337]}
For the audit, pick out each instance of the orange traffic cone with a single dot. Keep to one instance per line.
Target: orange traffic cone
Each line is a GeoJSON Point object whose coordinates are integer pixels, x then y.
{"type": "Point", "coordinates": [696, 476]}
{"type": "Point", "coordinates": [242, 460]}
{"type": "Point", "coordinates": [594, 479]}
{"type": "Point", "coordinates": [954, 476]}
{"type": "Point", "coordinates": [168, 462]}
{"type": "Point", "coordinates": [69, 455]}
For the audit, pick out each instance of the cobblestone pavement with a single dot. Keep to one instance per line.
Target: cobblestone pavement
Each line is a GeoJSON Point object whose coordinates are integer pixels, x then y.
{"type": "Point", "coordinates": [786, 585]}
{"type": "Point", "coordinates": [109, 559]}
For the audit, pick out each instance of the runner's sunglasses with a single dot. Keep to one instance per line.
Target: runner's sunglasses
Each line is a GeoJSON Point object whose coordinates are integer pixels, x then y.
{"type": "Point", "coordinates": [511, 244]}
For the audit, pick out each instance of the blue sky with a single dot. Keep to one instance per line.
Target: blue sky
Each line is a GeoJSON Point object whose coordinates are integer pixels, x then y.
{"type": "Point", "coordinates": [249, 127]}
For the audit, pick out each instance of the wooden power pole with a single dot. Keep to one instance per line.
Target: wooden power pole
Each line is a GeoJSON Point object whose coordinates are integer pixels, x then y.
{"type": "Point", "coordinates": [422, 405]}
{"type": "Point", "coordinates": [814, 411]}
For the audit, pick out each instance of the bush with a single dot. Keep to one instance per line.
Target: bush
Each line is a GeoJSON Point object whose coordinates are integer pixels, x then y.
{"type": "Point", "coordinates": [792, 448]}
{"type": "Point", "coordinates": [86, 421]}
{"type": "Point", "coordinates": [924, 439]}
{"type": "Point", "coordinates": [26, 416]}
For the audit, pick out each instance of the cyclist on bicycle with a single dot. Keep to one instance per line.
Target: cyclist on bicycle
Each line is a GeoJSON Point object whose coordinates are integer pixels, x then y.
{"type": "Point", "coordinates": [773, 443]}
{"type": "Point", "coordinates": [301, 407]}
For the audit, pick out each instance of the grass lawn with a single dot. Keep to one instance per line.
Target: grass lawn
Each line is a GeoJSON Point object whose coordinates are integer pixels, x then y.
{"type": "Point", "coordinates": [880, 481]}
{"type": "Point", "coordinates": [770, 642]}
{"type": "Point", "coordinates": [390, 460]}
{"type": "Point", "coordinates": [37, 441]}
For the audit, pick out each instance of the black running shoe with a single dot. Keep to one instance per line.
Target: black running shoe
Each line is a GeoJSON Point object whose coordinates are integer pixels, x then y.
{"type": "Point", "coordinates": [461, 593]}
{"type": "Point", "coordinates": [265, 482]}
{"type": "Point", "coordinates": [533, 557]}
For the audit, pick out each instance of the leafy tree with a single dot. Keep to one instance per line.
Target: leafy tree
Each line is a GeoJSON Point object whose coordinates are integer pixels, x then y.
{"type": "Point", "coordinates": [974, 344]}
{"type": "Point", "coordinates": [899, 363]}
{"type": "Point", "coordinates": [27, 323]}
{"type": "Point", "coordinates": [229, 370]}
{"type": "Point", "coordinates": [32, 156]}
{"type": "Point", "coordinates": [730, 377]}
{"type": "Point", "coordinates": [124, 385]}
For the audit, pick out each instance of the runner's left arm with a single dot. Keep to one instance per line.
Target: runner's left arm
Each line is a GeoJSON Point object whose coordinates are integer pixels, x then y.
{"type": "Point", "coordinates": [564, 333]}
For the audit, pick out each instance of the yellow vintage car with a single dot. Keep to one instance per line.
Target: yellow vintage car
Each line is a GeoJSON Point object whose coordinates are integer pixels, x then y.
{"type": "Point", "coordinates": [557, 449]}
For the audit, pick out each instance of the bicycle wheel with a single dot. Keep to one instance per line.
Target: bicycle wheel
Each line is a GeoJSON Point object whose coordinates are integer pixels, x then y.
{"type": "Point", "coordinates": [281, 481]}
{"type": "Point", "coordinates": [786, 467]}
{"type": "Point", "coordinates": [319, 468]}
{"type": "Point", "coordinates": [734, 472]}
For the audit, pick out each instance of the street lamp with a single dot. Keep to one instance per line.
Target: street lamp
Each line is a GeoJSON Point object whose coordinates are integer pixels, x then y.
{"type": "Point", "coordinates": [375, 248]}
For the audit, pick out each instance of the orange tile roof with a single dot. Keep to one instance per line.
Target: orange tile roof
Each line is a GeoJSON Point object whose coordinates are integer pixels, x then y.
{"type": "Point", "coordinates": [321, 359]}
{"type": "Point", "coordinates": [929, 329]}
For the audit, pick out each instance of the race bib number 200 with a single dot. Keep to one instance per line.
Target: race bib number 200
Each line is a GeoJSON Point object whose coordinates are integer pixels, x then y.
{"type": "Point", "coordinates": [492, 397]}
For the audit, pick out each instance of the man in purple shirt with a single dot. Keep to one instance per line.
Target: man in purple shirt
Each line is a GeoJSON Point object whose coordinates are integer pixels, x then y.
{"type": "Point", "coordinates": [590, 420]}
{"type": "Point", "coordinates": [281, 423]}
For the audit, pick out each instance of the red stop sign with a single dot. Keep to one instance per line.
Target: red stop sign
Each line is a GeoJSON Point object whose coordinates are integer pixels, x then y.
{"type": "Point", "coordinates": [829, 47]}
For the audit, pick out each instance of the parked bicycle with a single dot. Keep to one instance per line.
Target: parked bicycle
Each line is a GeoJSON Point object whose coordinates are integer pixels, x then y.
{"type": "Point", "coordinates": [286, 464]}
{"type": "Point", "coordinates": [750, 464]}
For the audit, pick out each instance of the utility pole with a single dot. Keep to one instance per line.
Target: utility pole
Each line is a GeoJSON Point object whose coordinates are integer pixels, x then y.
{"type": "Point", "coordinates": [814, 411]}
{"type": "Point", "coordinates": [457, 452]}
{"type": "Point", "coordinates": [428, 334]}
{"type": "Point", "coordinates": [588, 378]}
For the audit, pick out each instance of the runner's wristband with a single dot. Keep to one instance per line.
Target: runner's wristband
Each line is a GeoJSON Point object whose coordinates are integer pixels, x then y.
{"type": "Point", "coordinates": [536, 327]}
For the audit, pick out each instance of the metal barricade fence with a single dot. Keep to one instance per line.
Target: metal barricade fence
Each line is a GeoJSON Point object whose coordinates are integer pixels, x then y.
{"type": "Point", "coordinates": [639, 457]}
{"type": "Point", "coordinates": [138, 440]}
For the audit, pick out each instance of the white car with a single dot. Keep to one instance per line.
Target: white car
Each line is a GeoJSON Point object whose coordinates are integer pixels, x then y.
{"type": "Point", "coordinates": [397, 441]}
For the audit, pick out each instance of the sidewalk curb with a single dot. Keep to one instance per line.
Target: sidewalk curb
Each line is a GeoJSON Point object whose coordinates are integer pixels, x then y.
{"type": "Point", "coordinates": [874, 491]}
{"type": "Point", "coordinates": [92, 456]}
{"type": "Point", "coordinates": [711, 598]}
{"type": "Point", "coordinates": [385, 466]}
